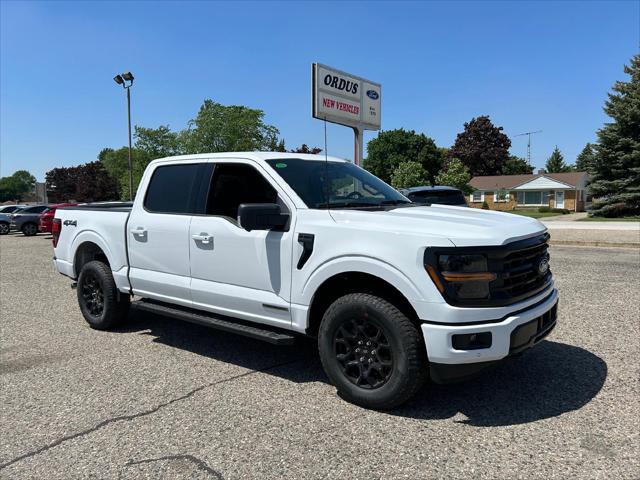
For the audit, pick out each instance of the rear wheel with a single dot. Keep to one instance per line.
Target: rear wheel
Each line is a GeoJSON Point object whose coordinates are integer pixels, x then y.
{"type": "Point", "coordinates": [371, 351]}
{"type": "Point", "coordinates": [101, 304]}
{"type": "Point", "coordinates": [4, 228]}
{"type": "Point", "coordinates": [29, 229]}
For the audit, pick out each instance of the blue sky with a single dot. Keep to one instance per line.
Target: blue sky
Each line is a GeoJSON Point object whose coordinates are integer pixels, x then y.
{"type": "Point", "coordinates": [529, 65]}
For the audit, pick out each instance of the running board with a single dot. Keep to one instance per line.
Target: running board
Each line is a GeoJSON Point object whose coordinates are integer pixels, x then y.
{"type": "Point", "coordinates": [219, 322]}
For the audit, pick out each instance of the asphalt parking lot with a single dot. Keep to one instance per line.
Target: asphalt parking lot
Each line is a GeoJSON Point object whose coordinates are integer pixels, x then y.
{"type": "Point", "coordinates": [163, 399]}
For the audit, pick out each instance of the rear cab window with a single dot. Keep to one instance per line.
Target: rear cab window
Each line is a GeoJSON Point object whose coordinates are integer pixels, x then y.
{"type": "Point", "coordinates": [177, 189]}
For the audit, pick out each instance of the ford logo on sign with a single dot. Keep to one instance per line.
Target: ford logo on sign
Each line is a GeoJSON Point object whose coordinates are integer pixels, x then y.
{"type": "Point", "coordinates": [372, 94]}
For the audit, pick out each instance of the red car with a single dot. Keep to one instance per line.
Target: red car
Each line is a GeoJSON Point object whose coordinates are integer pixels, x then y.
{"type": "Point", "coordinates": [46, 218]}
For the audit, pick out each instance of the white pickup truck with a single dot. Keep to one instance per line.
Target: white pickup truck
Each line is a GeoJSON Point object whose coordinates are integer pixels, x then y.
{"type": "Point", "coordinates": [277, 245]}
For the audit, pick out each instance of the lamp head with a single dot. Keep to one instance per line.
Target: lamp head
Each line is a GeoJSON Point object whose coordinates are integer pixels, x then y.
{"type": "Point", "coordinates": [118, 79]}
{"type": "Point", "coordinates": [128, 76]}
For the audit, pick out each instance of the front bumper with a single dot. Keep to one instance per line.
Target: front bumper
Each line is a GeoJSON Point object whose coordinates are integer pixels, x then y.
{"type": "Point", "coordinates": [510, 335]}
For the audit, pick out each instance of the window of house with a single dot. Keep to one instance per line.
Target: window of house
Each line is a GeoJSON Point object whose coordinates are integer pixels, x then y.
{"type": "Point", "coordinates": [477, 196]}
{"type": "Point", "coordinates": [533, 198]}
{"type": "Point", "coordinates": [501, 196]}
{"type": "Point", "coordinates": [234, 184]}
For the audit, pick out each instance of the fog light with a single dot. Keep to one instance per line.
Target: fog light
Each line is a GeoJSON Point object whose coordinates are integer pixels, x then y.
{"type": "Point", "coordinates": [471, 341]}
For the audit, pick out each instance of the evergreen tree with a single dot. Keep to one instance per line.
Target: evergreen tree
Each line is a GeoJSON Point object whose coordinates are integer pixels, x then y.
{"type": "Point", "coordinates": [585, 161]}
{"type": "Point", "coordinates": [616, 177]}
{"type": "Point", "coordinates": [555, 163]}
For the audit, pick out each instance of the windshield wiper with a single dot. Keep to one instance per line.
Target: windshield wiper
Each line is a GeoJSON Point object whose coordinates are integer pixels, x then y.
{"type": "Point", "coordinates": [394, 202]}
{"type": "Point", "coordinates": [352, 204]}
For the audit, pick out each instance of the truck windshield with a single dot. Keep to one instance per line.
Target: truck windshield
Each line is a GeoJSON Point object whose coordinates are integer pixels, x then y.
{"type": "Point", "coordinates": [348, 186]}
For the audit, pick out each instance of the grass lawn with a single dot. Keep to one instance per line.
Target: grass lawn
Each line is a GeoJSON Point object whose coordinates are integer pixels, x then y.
{"type": "Point", "coordinates": [603, 219]}
{"type": "Point", "coordinates": [534, 213]}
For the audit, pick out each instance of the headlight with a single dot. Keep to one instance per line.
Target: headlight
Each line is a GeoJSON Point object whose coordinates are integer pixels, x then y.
{"type": "Point", "coordinates": [462, 263]}
{"type": "Point", "coordinates": [465, 276]}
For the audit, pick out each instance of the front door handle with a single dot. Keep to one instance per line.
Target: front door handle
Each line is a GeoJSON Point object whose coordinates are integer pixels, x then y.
{"type": "Point", "coordinates": [138, 231]}
{"type": "Point", "coordinates": [203, 237]}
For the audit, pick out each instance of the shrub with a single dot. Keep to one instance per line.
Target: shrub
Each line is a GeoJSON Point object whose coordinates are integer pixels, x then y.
{"type": "Point", "coordinates": [562, 211]}
{"type": "Point", "coordinates": [485, 205]}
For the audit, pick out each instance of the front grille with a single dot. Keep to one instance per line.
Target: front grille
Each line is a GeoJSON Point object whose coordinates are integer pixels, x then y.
{"type": "Point", "coordinates": [516, 266]}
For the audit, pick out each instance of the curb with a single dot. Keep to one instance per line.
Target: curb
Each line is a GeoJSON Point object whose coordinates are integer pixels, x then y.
{"type": "Point", "coordinates": [574, 243]}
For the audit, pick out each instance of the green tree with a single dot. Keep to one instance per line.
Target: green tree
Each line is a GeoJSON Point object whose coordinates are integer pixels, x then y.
{"type": "Point", "coordinates": [158, 142]}
{"type": "Point", "coordinates": [616, 176]}
{"type": "Point", "coordinates": [305, 149]}
{"type": "Point", "coordinates": [17, 185]}
{"type": "Point", "coordinates": [116, 163]}
{"type": "Point", "coordinates": [482, 147]}
{"type": "Point", "coordinates": [516, 166]}
{"type": "Point", "coordinates": [234, 128]}
{"type": "Point", "coordinates": [394, 147]}
{"type": "Point", "coordinates": [585, 161]}
{"type": "Point", "coordinates": [409, 174]}
{"type": "Point", "coordinates": [455, 174]}
{"type": "Point", "coordinates": [555, 163]}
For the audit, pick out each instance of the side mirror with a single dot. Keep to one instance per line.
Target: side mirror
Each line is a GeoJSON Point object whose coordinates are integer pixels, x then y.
{"type": "Point", "coordinates": [261, 216]}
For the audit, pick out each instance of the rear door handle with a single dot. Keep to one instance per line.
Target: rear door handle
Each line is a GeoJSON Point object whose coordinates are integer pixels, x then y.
{"type": "Point", "coordinates": [203, 237]}
{"type": "Point", "coordinates": [138, 231]}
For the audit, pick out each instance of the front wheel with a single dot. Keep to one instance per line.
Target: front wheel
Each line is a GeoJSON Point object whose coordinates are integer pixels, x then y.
{"type": "Point", "coordinates": [371, 352]}
{"type": "Point", "coordinates": [102, 306]}
{"type": "Point", "coordinates": [4, 228]}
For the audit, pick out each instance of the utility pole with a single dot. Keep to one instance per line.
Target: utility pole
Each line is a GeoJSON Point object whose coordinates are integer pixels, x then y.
{"type": "Point", "coordinates": [528, 134]}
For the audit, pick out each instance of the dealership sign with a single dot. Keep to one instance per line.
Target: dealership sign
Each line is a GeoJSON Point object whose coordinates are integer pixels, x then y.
{"type": "Point", "coordinates": [343, 98]}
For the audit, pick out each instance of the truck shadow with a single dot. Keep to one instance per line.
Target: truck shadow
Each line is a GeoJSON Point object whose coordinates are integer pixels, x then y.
{"type": "Point", "coordinates": [551, 379]}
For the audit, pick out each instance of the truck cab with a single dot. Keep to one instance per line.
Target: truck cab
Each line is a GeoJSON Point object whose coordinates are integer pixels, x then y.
{"type": "Point", "coordinates": [276, 246]}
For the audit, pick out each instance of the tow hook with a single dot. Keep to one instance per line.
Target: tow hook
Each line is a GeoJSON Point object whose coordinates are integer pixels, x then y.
{"type": "Point", "coordinates": [74, 285]}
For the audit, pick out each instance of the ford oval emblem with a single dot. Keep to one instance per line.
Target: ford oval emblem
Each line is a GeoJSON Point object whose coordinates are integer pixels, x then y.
{"type": "Point", "coordinates": [543, 266]}
{"type": "Point", "coordinates": [372, 94]}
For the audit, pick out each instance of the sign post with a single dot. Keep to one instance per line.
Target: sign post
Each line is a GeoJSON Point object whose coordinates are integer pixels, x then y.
{"type": "Point", "coordinates": [346, 99]}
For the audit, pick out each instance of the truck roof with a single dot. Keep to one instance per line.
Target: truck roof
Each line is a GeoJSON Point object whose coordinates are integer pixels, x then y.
{"type": "Point", "coordinates": [259, 156]}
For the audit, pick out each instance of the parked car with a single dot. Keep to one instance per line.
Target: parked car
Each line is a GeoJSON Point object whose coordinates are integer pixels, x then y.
{"type": "Point", "coordinates": [11, 208]}
{"type": "Point", "coordinates": [439, 195]}
{"type": "Point", "coordinates": [273, 246]}
{"type": "Point", "coordinates": [46, 217]}
{"type": "Point", "coordinates": [5, 223]}
{"type": "Point", "coordinates": [26, 219]}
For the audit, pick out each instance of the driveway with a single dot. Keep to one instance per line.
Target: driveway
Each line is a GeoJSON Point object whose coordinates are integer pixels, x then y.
{"type": "Point", "coordinates": [164, 399]}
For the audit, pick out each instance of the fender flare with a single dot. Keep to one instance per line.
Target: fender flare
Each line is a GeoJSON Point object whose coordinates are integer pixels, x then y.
{"type": "Point", "coordinates": [358, 264]}
{"type": "Point", "coordinates": [94, 237]}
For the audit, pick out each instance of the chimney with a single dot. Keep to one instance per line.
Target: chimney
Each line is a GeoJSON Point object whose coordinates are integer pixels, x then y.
{"type": "Point", "coordinates": [541, 171]}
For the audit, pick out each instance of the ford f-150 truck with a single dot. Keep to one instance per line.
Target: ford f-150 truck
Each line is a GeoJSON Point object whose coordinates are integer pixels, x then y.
{"type": "Point", "coordinates": [278, 245]}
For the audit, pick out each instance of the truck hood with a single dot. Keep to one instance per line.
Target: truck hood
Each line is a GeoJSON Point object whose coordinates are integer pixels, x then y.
{"type": "Point", "coordinates": [461, 225]}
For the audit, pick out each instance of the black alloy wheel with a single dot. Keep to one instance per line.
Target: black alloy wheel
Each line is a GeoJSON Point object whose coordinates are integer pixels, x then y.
{"type": "Point", "coordinates": [4, 228]}
{"type": "Point", "coordinates": [92, 295]}
{"type": "Point", "coordinates": [29, 229]}
{"type": "Point", "coordinates": [363, 352]}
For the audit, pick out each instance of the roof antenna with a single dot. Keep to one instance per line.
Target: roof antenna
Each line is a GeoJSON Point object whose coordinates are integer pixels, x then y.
{"type": "Point", "coordinates": [326, 166]}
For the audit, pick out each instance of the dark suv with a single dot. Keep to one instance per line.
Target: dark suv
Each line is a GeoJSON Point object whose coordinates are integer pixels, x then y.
{"type": "Point", "coordinates": [27, 219]}
{"type": "Point", "coordinates": [438, 195]}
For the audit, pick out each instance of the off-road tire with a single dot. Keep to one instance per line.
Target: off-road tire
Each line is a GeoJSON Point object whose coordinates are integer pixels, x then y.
{"type": "Point", "coordinates": [29, 229]}
{"type": "Point", "coordinates": [96, 276]}
{"type": "Point", "coordinates": [406, 348]}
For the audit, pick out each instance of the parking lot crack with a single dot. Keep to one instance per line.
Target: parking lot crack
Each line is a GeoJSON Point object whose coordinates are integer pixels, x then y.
{"type": "Point", "coordinates": [134, 416]}
{"type": "Point", "coordinates": [199, 463]}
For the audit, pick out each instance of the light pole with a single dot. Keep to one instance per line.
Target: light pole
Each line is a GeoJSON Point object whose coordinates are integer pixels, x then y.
{"type": "Point", "coordinates": [122, 79]}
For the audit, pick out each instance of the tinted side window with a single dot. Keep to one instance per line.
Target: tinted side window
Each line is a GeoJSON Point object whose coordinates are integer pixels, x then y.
{"type": "Point", "coordinates": [38, 209]}
{"type": "Point", "coordinates": [236, 183]}
{"type": "Point", "coordinates": [170, 189]}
